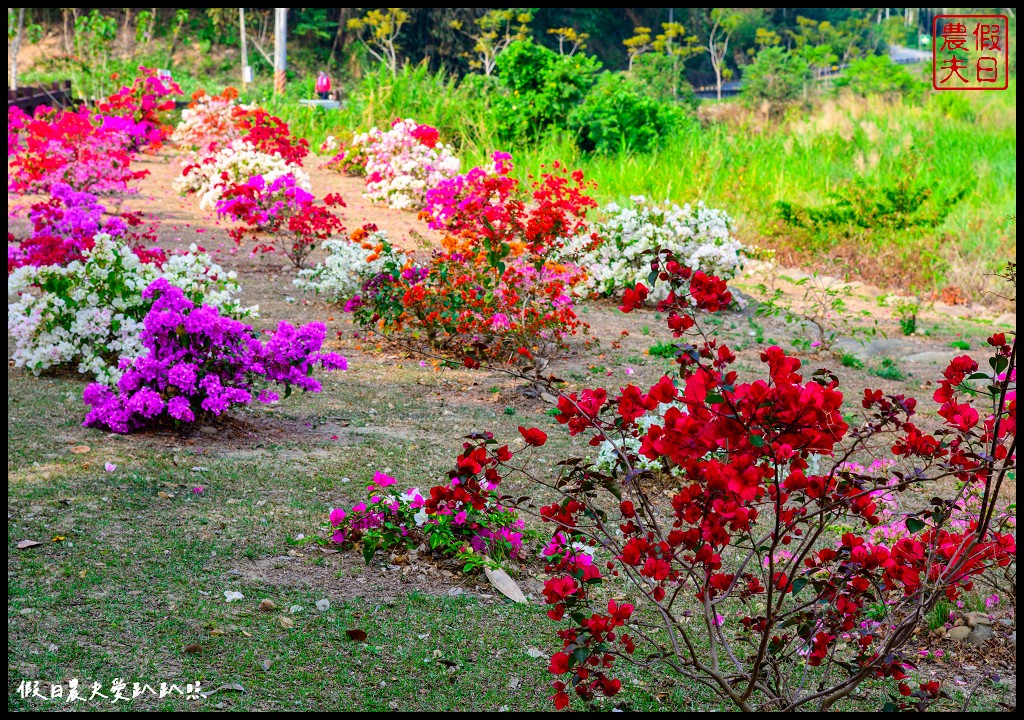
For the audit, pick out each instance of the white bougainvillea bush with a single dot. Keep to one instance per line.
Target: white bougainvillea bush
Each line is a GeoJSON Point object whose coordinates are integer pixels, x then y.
{"type": "Point", "coordinates": [88, 314]}
{"type": "Point", "coordinates": [617, 253]}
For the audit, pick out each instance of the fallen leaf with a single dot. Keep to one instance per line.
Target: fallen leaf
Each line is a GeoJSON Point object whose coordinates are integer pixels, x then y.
{"type": "Point", "coordinates": [323, 605]}
{"type": "Point", "coordinates": [505, 585]}
{"type": "Point", "coordinates": [164, 495]}
{"type": "Point", "coordinates": [267, 664]}
{"type": "Point", "coordinates": [286, 622]}
{"type": "Point", "coordinates": [80, 449]}
{"type": "Point", "coordinates": [294, 609]}
{"type": "Point", "coordinates": [261, 503]}
{"type": "Point", "coordinates": [356, 634]}
{"type": "Point", "coordinates": [534, 653]}
{"type": "Point", "coordinates": [81, 573]}
{"type": "Point", "coordinates": [246, 634]}
{"type": "Point", "coordinates": [230, 687]}
{"type": "Point", "coordinates": [193, 648]}
{"type": "Point", "coordinates": [233, 596]}
{"type": "Point", "coordinates": [514, 683]}
{"type": "Point", "coordinates": [267, 605]}
{"type": "Point", "coordinates": [26, 544]}
{"type": "Point", "coordinates": [217, 633]}
{"type": "Point", "coordinates": [59, 538]}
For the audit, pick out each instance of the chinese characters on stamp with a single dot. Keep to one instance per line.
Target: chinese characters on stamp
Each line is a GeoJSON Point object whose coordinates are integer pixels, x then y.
{"type": "Point", "coordinates": [970, 52]}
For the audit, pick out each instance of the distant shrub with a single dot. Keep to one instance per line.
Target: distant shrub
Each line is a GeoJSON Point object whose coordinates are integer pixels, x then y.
{"type": "Point", "coordinates": [542, 87]}
{"type": "Point", "coordinates": [901, 205]}
{"type": "Point", "coordinates": [878, 75]}
{"type": "Point", "coordinates": [658, 77]}
{"type": "Point", "coordinates": [617, 115]}
{"type": "Point", "coordinates": [775, 76]}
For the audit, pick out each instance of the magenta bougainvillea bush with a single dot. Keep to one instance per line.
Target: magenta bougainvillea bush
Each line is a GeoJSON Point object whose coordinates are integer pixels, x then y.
{"type": "Point", "coordinates": [200, 363]}
{"type": "Point", "coordinates": [66, 225]}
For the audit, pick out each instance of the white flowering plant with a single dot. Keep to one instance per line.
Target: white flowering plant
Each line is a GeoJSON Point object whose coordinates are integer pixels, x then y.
{"type": "Point", "coordinates": [89, 313]}
{"type": "Point", "coordinates": [209, 121]}
{"type": "Point", "coordinates": [350, 263]}
{"type": "Point", "coordinates": [234, 164]}
{"type": "Point", "coordinates": [400, 164]}
{"type": "Point", "coordinates": [618, 251]}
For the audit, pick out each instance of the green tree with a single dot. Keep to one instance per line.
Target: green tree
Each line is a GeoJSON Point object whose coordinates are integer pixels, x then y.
{"type": "Point", "coordinates": [776, 76]}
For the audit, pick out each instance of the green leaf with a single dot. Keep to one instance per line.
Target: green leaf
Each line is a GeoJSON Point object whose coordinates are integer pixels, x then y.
{"type": "Point", "coordinates": [799, 584]}
{"type": "Point", "coordinates": [369, 549]}
{"type": "Point", "coordinates": [914, 525]}
{"type": "Point", "coordinates": [757, 441]}
{"type": "Point", "coordinates": [715, 398]}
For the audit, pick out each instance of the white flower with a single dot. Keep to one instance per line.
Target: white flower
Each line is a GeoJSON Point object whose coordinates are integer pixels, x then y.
{"type": "Point", "coordinates": [701, 237]}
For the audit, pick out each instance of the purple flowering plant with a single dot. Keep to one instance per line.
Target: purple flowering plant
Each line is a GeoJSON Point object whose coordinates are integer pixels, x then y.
{"type": "Point", "coordinates": [198, 363]}
{"type": "Point", "coordinates": [456, 529]}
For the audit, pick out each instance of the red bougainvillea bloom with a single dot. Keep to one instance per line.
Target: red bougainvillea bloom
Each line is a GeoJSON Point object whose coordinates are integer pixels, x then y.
{"type": "Point", "coordinates": [533, 436]}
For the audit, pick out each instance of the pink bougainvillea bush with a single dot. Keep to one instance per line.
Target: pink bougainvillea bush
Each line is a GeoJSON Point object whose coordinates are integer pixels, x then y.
{"type": "Point", "coordinates": [740, 582]}
{"type": "Point", "coordinates": [91, 149]}
{"type": "Point", "coordinates": [145, 105]}
{"type": "Point", "coordinates": [400, 164]}
{"type": "Point", "coordinates": [200, 363]}
{"type": "Point", "coordinates": [280, 215]}
{"type": "Point", "coordinates": [461, 520]}
{"type": "Point", "coordinates": [76, 149]}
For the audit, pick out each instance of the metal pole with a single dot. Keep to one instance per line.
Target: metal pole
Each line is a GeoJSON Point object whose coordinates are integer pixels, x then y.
{"type": "Point", "coordinates": [280, 48]}
{"type": "Point", "coordinates": [246, 77]}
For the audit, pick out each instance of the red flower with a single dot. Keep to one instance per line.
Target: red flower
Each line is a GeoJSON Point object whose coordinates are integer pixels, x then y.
{"type": "Point", "coordinates": [533, 436]}
{"type": "Point", "coordinates": [559, 663]}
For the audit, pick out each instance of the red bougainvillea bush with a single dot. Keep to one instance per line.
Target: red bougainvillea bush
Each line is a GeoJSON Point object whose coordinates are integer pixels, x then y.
{"type": "Point", "coordinates": [742, 582]}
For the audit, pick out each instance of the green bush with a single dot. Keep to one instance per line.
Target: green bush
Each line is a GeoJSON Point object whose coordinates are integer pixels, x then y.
{"type": "Point", "coordinates": [540, 86]}
{"type": "Point", "coordinates": [775, 76]}
{"type": "Point", "coordinates": [616, 115]}
{"type": "Point", "coordinates": [879, 75]}
{"type": "Point", "coordinates": [663, 78]}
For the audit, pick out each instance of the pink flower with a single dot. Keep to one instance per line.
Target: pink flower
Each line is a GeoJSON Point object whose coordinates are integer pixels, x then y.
{"type": "Point", "coordinates": [359, 507]}
{"type": "Point", "coordinates": [629, 371]}
{"type": "Point", "coordinates": [337, 515]}
{"type": "Point", "coordinates": [460, 517]}
{"type": "Point", "coordinates": [111, 467]}
{"type": "Point", "coordinates": [382, 480]}
{"type": "Point", "coordinates": [198, 490]}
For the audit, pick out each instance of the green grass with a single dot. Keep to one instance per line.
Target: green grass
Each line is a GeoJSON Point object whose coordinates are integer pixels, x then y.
{"type": "Point", "coordinates": [850, 360]}
{"type": "Point", "coordinates": [663, 350]}
{"type": "Point", "coordinates": [889, 370]}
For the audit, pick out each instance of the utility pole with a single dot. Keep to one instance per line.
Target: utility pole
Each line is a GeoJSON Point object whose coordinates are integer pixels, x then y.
{"type": "Point", "coordinates": [246, 70]}
{"type": "Point", "coordinates": [14, 47]}
{"type": "Point", "coordinates": [280, 48]}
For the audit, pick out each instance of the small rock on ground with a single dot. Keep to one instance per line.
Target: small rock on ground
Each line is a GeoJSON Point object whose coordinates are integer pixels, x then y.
{"type": "Point", "coordinates": [959, 633]}
{"type": "Point", "coordinates": [980, 635]}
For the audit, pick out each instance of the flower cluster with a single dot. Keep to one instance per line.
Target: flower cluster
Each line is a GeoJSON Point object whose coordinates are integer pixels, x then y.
{"type": "Point", "coordinates": [618, 252]}
{"type": "Point", "coordinates": [64, 226]}
{"type": "Point", "coordinates": [764, 472]}
{"type": "Point", "coordinates": [493, 288]}
{"type": "Point", "coordinates": [282, 210]}
{"type": "Point", "coordinates": [465, 522]}
{"type": "Point", "coordinates": [78, 149]}
{"type": "Point", "coordinates": [351, 263]}
{"type": "Point", "coordinates": [89, 312]}
{"type": "Point", "coordinates": [400, 164]}
{"type": "Point", "coordinates": [198, 362]}
{"type": "Point", "coordinates": [145, 105]}
{"type": "Point", "coordinates": [209, 121]}
{"type": "Point", "coordinates": [234, 164]}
